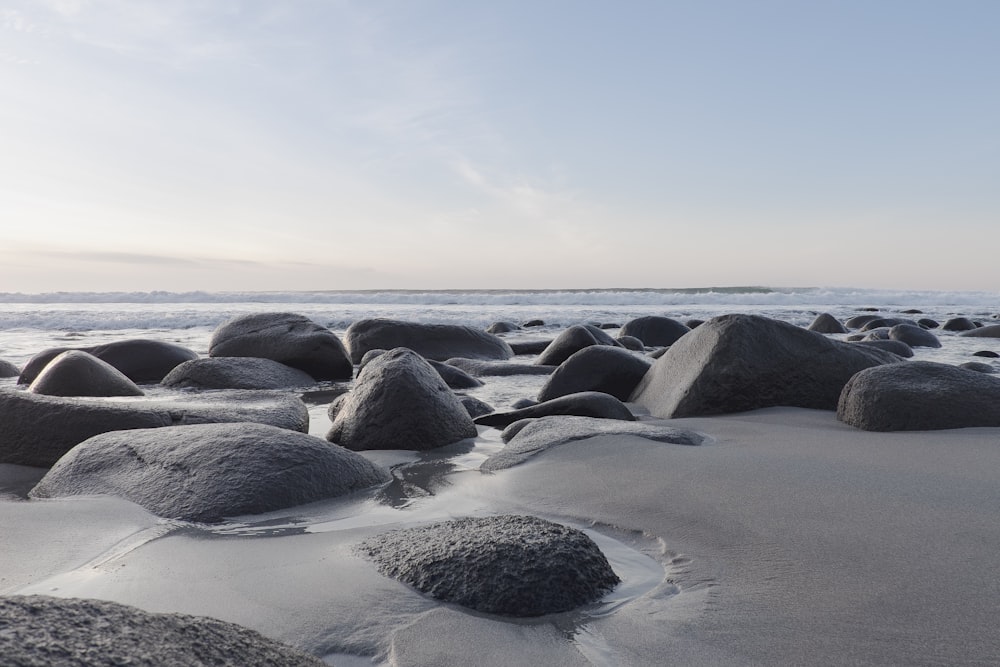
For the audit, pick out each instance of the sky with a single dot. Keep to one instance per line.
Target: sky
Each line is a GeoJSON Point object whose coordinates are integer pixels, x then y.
{"type": "Point", "coordinates": [423, 144]}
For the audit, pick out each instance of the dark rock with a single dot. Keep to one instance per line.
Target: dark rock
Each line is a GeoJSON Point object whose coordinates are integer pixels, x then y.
{"type": "Point", "coordinates": [523, 403]}
{"type": "Point", "coordinates": [477, 368]}
{"type": "Point", "coordinates": [528, 437]}
{"type": "Point", "coordinates": [8, 370]}
{"type": "Point", "coordinates": [986, 353]}
{"type": "Point", "coordinates": [897, 347]}
{"type": "Point", "coordinates": [601, 336]}
{"type": "Point", "coordinates": [693, 323]}
{"type": "Point", "coordinates": [632, 343]}
{"type": "Point", "coordinates": [656, 354]}
{"type": "Point", "coordinates": [654, 330]}
{"type": "Point", "coordinates": [529, 346]}
{"type": "Point", "coordinates": [142, 361]}
{"type": "Point", "coordinates": [879, 333]}
{"type": "Point", "coordinates": [36, 430]}
{"type": "Point", "coordinates": [502, 327]}
{"type": "Point", "coordinates": [859, 321]}
{"type": "Point", "coordinates": [825, 323]}
{"type": "Point", "coordinates": [76, 373]}
{"type": "Point", "coordinates": [400, 402]}
{"type": "Point", "coordinates": [912, 311]}
{"type": "Point", "coordinates": [474, 406]}
{"type": "Point", "coordinates": [288, 338]}
{"type": "Point", "coordinates": [959, 324]}
{"type": "Point", "coordinates": [989, 331]}
{"type": "Point", "coordinates": [920, 396]}
{"type": "Point", "coordinates": [225, 470]}
{"type": "Point", "coordinates": [600, 368]}
{"type": "Point", "coordinates": [431, 341]}
{"type": "Point", "coordinates": [885, 323]}
{"type": "Point", "coordinates": [572, 339]}
{"type": "Point", "coordinates": [582, 404]}
{"type": "Point", "coordinates": [65, 632]}
{"type": "Point", "coordinates": [336, 404]}
{"type": "Point", "coordinates": [928, 323]}
{"type": "Point", "coordinates": [453, 376]}
{"type": "Point", "coordinates": [977, 366]}
{"type": "Point", "coordinates": [609, 325]}
{"type": "Point", "coordinates": [914, 336]}
{"type": "Point", "coordinates": [510, 565]}
{"type": "Point", "coordinates": [533, 323]}
{"type": "Point", "coordinates": [735, 363]}
{"type": "Point", "coordinates": [236, 373]}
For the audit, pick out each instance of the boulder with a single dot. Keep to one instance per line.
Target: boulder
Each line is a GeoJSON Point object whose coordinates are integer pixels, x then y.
{"type": "Point", "coordinates": [977, 366]}
{"type": "Point", "coordinates": [8, 370]}
{"type": "Point", "coordinates": [36, 430]}
{"type": "Point", "coordinates": [885, 323]}
{"type": "Point", "coordinates": [734, 363]}
{"type": "Point", "coordinates": [511, 565]}
{"type": "Point", "coordinates": [533, 323]}
{"type": "Point", "coordinates": [236, 373]}
{"type": "Point", "coordinates": [986, 353]}
{"type": "Point", "coordinates": [224, 470]}
{"type": "Point", "coordinates": [582, 404]}
{"type": "Point", "coordinates": [453, 376]}
{"type": "Point", "coordinates": [654, 330]}
{"type": "Point", "coordinates": [897, 347]}
{"type": "Point", "coordinates": [66, 632]}
{"type": "Point", "coordinates": [572, 339]}
{"type": "Point", "coordinates": [825, 323]}
{"type": "Point", "coordinates": [431, 341]}
{"type": "Point", "coordinates": [288, 338]}
{"type": "Point", "coordinates": [77, 373]}
{"type": "Point", "coordinates": [478, 368]}
{"type": "Point", "coordinates": [928, 323]}
{"type": "Point", "coordinates": [959, 324]}
{"type": "Point", "coordinates": [502, 327]}
{"type": "Point", "coordinates": [859, 321]}
{"type": "Point", "coordinates": [920, 396]}
{"type": "Point", "coordinates": [914, 336]}
{"type": "Point", "coordinates": [520, 347]}
{"type": "Point", "coordinates": [631, 343]}
{"type": "Point", "coordinates": [693, 323]}
{"type": "Point", "coordinates": [610, 370]}
{"type": "Point", "coordinates": [400, 402]}
{"type": "Point", "coordinates": [142, 361]}
{"type": "Point", "coordinates": [988, 331]}
{"type": "Point", "coordinates": [474, 406]}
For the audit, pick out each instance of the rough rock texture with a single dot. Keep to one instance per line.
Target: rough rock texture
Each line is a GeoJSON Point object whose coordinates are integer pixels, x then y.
{"type": "Point", "coordinates": [825, 323]}
{"type": "Point", "coordinates": [914, 336]}
{"type": "Point", "coordinates": [989, 331]}
{"type": "Point", "coordinates": [77, 373]}
{"type": "Point", "coordinates": [735, 363]}
{"type": "Point", "coordinates": [41, 631]}
{"type": "Point", "coordinates": [236, 373]}
{"type": "Point", "coordinates": [582, 404]}
{"type": "Point", "coordinates": [453, 376]}
{"type": "Point", "coordinates": [528, 437]}
{"type": "Point", "coordinates": [142, 361]}
{"type": "Point", "coordinates": [897, 347]}
{"type": "Point", "coordinates": [478, 368]}
{"type": "Point", "coordinates": [431, 341]}
{"type": "Point", "coordinates": [205, 472]}
{"type": "Point", "coordinates": [654, 330]}
{"type": "Point", "coordinates": [8, 370]}
{"type": "Point", "coordinates": [920, 396]}
{"type": "Point", "coordinates": [400, 402]}
{"type": "Point", "coordinates": [511, 565]}
{"type": "Point", "coordinates": [288, 338]}
{"type": "Point", "coordinates": [610, 370]}
{"type": "Point", "coordinates": [36, 430]}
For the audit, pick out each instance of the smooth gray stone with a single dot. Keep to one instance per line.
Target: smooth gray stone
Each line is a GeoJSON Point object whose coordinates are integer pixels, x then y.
{"type": "Point", "coordinates": [977, 366]}
{"type": "Point", "coordinates": [529, 346]}
{"type": "Point", "coordinates": [479, 368]}
{"type": "Point", "coordinates": [512, 565]}
{"type": "Point", "coordinates": [988, 331]}
{"type": "Point", "coordinates": [886, 323]}
{"type": "Point", "coordinates": [654, 330]}
{"type": "Point", "coordinates": [236, 373]}
{"type": "Point", "coordinates": [959, 324]}
{"type": "Point", "coordinates": [224, 470]}
{"type": "Point", "coordinates": [142, 361]}
{"type": "Point", "coordinates": [8, 370]}
{"type": "Point", "coordinates": [431, 341]}
{"type": "Point", "coordinates": [914, 336]}
{"type": "Point", "coordinates": [502, 327]}
{"type": "Point", "coordinates": [528, 437]}
{"type": "Point", "coordinates": [928, 323]}
{"type": "Point", "coordinates": [920, 396]}
{"type": "Point", "coordinates": [825, 323]}
{"type": "Point", "coordinates": [474, 406]}
{"type": "Point", "coordinates": [36, 430]}
{"type": "Point", "coordinates": [288, 338]}
{"type": "Point", "coordinates": [897, 347]}
{"type": "Point", "coordinates": [610, 370]}
{"type": "Point", "coordinates": [859, 321]}
{"type": "Point", "coordinates": [571, 340]}
{"type": "Point", "coordinates": [582, 404]}
{"type": "Point", "coordinates": [78, 373]}
{"type": "Point", "coordinates": [42, 631]}
{"type": "Point", "coordinates": [631, 343]}
{"type": "Point", "coordinates": [453, 376]}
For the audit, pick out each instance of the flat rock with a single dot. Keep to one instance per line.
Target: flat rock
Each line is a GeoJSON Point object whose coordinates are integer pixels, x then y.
{"type": "Point", "coordinates": [236, 373]}
{"type": "Point", "coordinates": [142, 361]}
{"type": "Point", "coordinates": [78, 373]}
{"type": "Point", "coordinates": [654, 330]}
{"type": "Point", "coordinates": [582, 404]}
{"type": "Point", "coordinates": [431, 341]}
{"type": "Point", "coordinates": [610, 370]}
{"type": "Point", "coordinates": [511, 565]}
{"type": "Point", "coordinates": [479, 368]}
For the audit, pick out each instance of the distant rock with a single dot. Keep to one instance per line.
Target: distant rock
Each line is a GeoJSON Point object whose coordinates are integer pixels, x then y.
{"type": "Point", "coordinates": [478, 368]}
{"type": "Point", "coordinates": [914, 336]}
{"type": "Point", "coordinates": [236, 373]}
{"type": "Point", "coordinates": [142, 361]}
{"type": "Point", "coordinates": [610, 370]}
{"type": "Point", "coordinates": [8, 370]}
{"type": "Point", "coordinates": [502, 327]}
{"type": "Point", "coordinates": [989, 331]}
{"type": "Point", "coordinates": [859, 321]}
{"type": "Point", "coordinates": [825, 323]}
{"type": "Point", "coordinates": [453, 376]}
{"type": "Point", "coordinates": [572, 339]}
{"type": "Point", "coordinates": [431, 341]}
{"type": "Point", "coordinates": [959, 324]}
{"type": "Point", "coordinates": [523, 347]}
{"type": "Point", "coordinates": [534, 323]}
{"type": "Point", "coordinates": [654, 330]}
{"type": "Point", "coordinates": [582, 404]}
{"type": "Point", "coordinates": [77, 373]}
{"type": "Point", "coordinates": [897, 347]}
{"type": "Point", "coordinates": [986, 353]}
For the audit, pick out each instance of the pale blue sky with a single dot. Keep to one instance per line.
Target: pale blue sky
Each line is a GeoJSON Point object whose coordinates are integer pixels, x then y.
{"type": "Point", "coordinates": [429, 144]}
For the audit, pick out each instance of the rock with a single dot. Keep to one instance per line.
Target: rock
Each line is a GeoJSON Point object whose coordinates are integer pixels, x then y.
{"type": "Point", "coordinates": [986, 353]}
{"type": "Point", "coordinates": [914, 336]}
{"type": "Point", "coordinates": [735, 363]}
{"type": "Point", "coordinates": [878, 333]}
{"type": "Point", "coordinates": [885, 323]}
{"type": "Point", "coordinates": [656, 354]}
{"type": "Point", "coordinates": [693, 323]}
{"type": "Point", "coordinates": [453, 376]}
{"type": "Point", "coordinates": [977, 366]}
{"type": "Point", "coordinates": [897, 347]}
{"type": "Point", "coordinates": [601, 336]}
{"type": "Point", "coordinates": [825, 323]}
{"type": "Point", "coordinates": [533, 323]}
{"type": "Point", "coordinates": [582, 404]}
{"type": "Point", "coordinates": [288, 338]}
{"type": "Point", "coordinates": [859, 321]}
{"type": "Point", "coordinates": [431, 341]}
{"type": "Point", "coordinates": [400, 402]}
{"type": "Point", "coordinates": [959, 324]}
{"type": "Point", "coordinates": [36, 430]}
{"type": "Point", "coordinates": [8, 370]}
{"type": "Point", "coordinates": [520, 347]}
{"type": "Point", "coordinates": [477, 368]}
{"type": "Point", "coordinates": [528, 437]}
{"type": "Point", "coordinates": [609, 325]}
{"type": "Point", "coordinates": [572, 339]}
{"type": "Point", "coordinates": [600, 368]}
{"type": "Point", "coordinates": [511, 565]}
{"type": "Point", "coordinates": [523, 403]}
{"type": "Point", "coordinates": [631, 343]}
{"type": "Point", "coordinates": [77, 373]}
{"type": "Point", "coordinates": [989, 331]}
{"type": "Point", "coordinates": [66, 632]}
{"type": "Point", "coordinates": [225, 470]}
{"type": "Point", "coordinates": [920, 396]}
{"type": "Point", "coordinates": [142, 361]}
{"type": "Point", "coordinates": [654, 330]}
{"type": "Point", "coordinates": [502, 327]}
{"type": "Point", "coordinates": [236, 373]}
{"type": "Point", "coordinates": [928, 323]}
{"type": "Point", "coordinates": [474, 406]}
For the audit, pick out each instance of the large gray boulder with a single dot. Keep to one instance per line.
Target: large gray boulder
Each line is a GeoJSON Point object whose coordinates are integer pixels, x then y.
{"type": "Point", "coordinates": [431, 341]}
{"type": "Point", "coordinates": [400, 402]}
{"type": "Point", "coordinates": [288, 338]}
{"type": "Point", "coordinates": [36, 430]}
{"type": "Point", "coordinates": [511, 565]}
{"type": "Point", "coordinates": [453, 376]}
{"type": "Point", "coordinates": [236, 373]}
{"type": "Point", "coordinates": [959, 324]}
{"type": "Point", "coordinates": [654, 330]}
{"type": "Point", "coordinates": [42, 631]}
{"type": "Point", "coordinates": [914, 336]}
{"type": "Point", "coordinates": [920, 396]}
{"type": "Point", "coordinates": [223, 470]}
{"type": "Point", "coordinates": [735, 363]}
{"type": "Point", "coordinates": [142, 361]}
{"type": "Point", "coordinates": [825, 323]}
{"type": "Point", "coordinates": [571, 340]}
{"type": "Point", "coordinates": [610, 370]}
{"type": "Point", "coordinates": [77, 373]}
{"type": "Point", "coordinates": [582, 404]}
{"type": "Point", "coordinates": [988, 331]}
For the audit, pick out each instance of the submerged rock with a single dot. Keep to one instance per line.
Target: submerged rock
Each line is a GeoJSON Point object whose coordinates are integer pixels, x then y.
{"type": "Point", "coordinates": [236, 373]}
{"type": "Point", "coordinates": [431, 341]}
{"type": "Point", "coordinates": [143, 361]}
{"type": "Point", "coordinates": [582, 404]}
{"type": "Point", "coordinates": [77, 373]}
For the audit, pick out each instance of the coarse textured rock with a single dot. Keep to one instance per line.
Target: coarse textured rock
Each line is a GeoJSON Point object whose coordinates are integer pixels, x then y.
{"type": "Point", "coordinates": [400, 402]}
{"type": "Point", "coordinates": [77, 373]}
{"type": "Point", "coordinates": [610, 370]}
{"type": "Point", "coordinates": [897, 347]}
{"type": "Point", "coordinates": [920, 396]}
{"type": "Point", "coordinates": [735, 363]}
{"type": "Point", "coordinates": [825, 323]}
{"type": "Point", "coordinates": [914, 336]}
{"type": "Point", "coordinates": [959, 324]}
{"type": "Point", "coordinates": [142, 361]}
{"type": "Point", "coordinates": [8, 370]}
{"type": "Point", "coordinates": [236, 373]}
{"type": "Point", "coordinates": [205, 472]}
{"type": "Point", "coordinates": [36, 430]}
{"type": "Point", "coordinates": [654, 330]}
{"type": "Point", "coordinates": [582, 404]}
{"type": "Point", "coordinates": [42, 631]}
{"type": "Point", "coordinates": [511, 565]}
{"type": "Point", "coordinates": [288, 338]}
{"type": "Point", "coordinates": [453, 376]}
{"type": "Point", "coordinates": [431, 341]}
{"type": "Point", "coordinates": [478, 368]}
{"type": "Point", "coordinates": [989, 331]}
{"type": "Point", "coordinates": [528, 437]}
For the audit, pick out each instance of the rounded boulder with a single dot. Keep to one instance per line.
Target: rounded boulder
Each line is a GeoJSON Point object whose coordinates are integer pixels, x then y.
{"type": "Point", "coordinates": [78, 373]}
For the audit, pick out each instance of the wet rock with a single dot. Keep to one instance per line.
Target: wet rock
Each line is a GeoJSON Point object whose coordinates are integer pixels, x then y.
{"type": "Point", "coordinates": [989, 331]}
{"type": "Point", "coordinates": [236, 373]}
{"type": "Point", "coordinates": [582, 404]}
{"type": "Point", "coordinates": [453, 376]}
{"type": "Point", "coordinates": [77, 373]}
{"type": "Point", "coordinates": [693, 323]}
{"type": "Point", "coordinates": [431, 341]}
{"type": "Point", "coordinates": [897, 347]}
{"type": "Point", "coordinates": [478, 368]}
{"type": "Point", "coordinates": [8, 370]}
{"type": "Point", "coordinates": [522, 347]}
{"type": "Point", "coordinates": [914, 336]}
{"type": "Point", "coordinates": [502, 327]}
{"type": "Point", "coordinates": [511, 565]}
{"type": "Point", "coordinates": [600, 368]}
{"type": "Point", "coordinates": [959, 324]}
{"type": "Point", "coordinates": [825, 323]}
{"type": "Point", "coordinates": [474, 406]}
{"type": "Point", "coordinates": [654, 330]}
{"type": "Point", "coordinates": [142, 361]}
